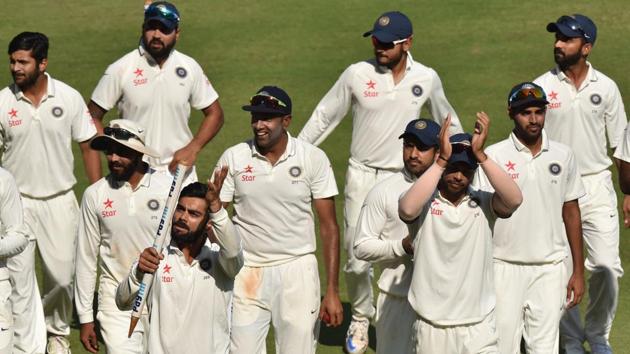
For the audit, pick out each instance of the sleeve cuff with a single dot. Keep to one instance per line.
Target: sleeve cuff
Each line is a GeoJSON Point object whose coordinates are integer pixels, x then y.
{"type": "Point", "coordinates": [86, 317]}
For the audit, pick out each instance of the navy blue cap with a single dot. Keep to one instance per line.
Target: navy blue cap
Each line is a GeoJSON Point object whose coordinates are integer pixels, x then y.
{"type": "Point", "coordinates": [270, 99]}
{"type": "Point", "coordinates": [425, 130]}
{"type": "Point", "coordinates": [462, 151]}
{"type": "Point", "coordinates": [391, 26]}
{"type": "Point", "coordinates": [162, 11]}
{"type": "Point", "coordinates": [575, 26]}
{"type": "Point", "coordinates": [526, 94]}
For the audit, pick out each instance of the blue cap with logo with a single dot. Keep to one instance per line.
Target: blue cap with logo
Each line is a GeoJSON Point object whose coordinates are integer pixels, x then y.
{"type": "Point", "coordinates": [462, 151]}
{"type": "Point", "coordinates": [575, 26]}
{"type": "Point", "coordinates": [162, 11]}
{"type": "Point", "coordinates": [424, 130]}
{"type": "Point", "coordinates": [391, 26]}
{"type": "Point", "coordinates": [270, 100]}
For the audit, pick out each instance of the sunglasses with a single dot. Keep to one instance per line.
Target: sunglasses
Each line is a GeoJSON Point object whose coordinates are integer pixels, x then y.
{"type": "Point", "coordinates": [120, 133]}
{"type": "Point", "coordinates": [526, 92]}
{"type": "Point", "coordinates": [267, 101]}
{"type": "Point", "coordinates": [387, 45]}
{"type": "Point", "coordinates": [572, 24]}
{"type": "Point", "coordinates": [162, 11]}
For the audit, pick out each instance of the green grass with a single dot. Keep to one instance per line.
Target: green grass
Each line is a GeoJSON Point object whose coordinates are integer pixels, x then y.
{"type": "Point", "coordinates": [480, 49]}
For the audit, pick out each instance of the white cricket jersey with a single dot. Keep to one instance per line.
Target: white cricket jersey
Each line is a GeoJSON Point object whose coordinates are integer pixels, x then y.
{"type": "Point", "coordinates": [37, 141]}
{"type": "Point", "coordinates": [272, 203]}
{"type": "Point", "coordinates": [623, 149]}
{"type": "Point", "coordinates": [581, 118]}
{"type": "Point", "coordinates": [535, 233]}
{"type": "Point", "coordinates": [380, 232]}
{"type": "Point", "coordinates": [380, 110]}
{"type": "Point", "coordinates": [116, 224]}
{"type": "Point", "coordinates": [13, 232]}
{"type": "Point", "coordinates": [159, 99]}
{"type": "Point", "coordinates": [453, 281]}
{"type": "Point", "coordinates": [190, 304]}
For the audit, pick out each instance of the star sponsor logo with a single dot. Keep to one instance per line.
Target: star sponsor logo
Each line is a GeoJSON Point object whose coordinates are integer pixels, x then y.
{"type": "Point", "coordinates": [109, 210]}
{"type": "Point", "coordinates": [139, 72]}
{"type": "Point", "coordinates": [140, 79]}
{"type": "Point", "coordinates": [13, 113]}
{"type": "Point", "coordinates": [511, 166]}
{"type": "Point", "coordinates": [13, 118]}
{"type": "Point", "coordinates": [370, 90]}
{"type": "Point", "coordinates": [554, 102]}
{"type": "Point", "coordinates": [167, 270]}
{"type": "Point", "coordinates": [553, 96]}
{"type": "Point", "coordinates": [247, 174]}
{"type": "Point", "coordinates": [435, 208]}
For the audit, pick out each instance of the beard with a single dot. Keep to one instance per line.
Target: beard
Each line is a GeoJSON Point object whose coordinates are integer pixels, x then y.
{"type": "Point", "coordinates": [161, 52]}
{"type": "Point", "coordinates": [566, 61]}
{"type": "Point", "coordinates": [189, 236]}
{"type": "Point", "coordinates": [26, 80]}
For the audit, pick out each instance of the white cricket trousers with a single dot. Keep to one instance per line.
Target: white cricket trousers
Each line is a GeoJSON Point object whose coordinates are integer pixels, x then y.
{"type": "Point", "coordinates": [477, 338]}
{"type": "Point", "coordinates": [6, 318]}
{"type": "Point", "coordinates": [53, 222]}
{"type": "Point", "coordinates": [359, 181]}
{"type": "Point", "coordinates": [114, 327]}
{"type": "Point", "coordinates": [530, 302]}
{"type": "Point", "coordinates": [394, 324]}
{"type": "Point", "coordinates": [600, 228]}
{"type": "Point", "coordinates": [286, 295]}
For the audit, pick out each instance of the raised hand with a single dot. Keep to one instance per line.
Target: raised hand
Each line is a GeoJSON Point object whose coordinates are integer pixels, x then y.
{"type": "Point", "coordinates": [445, 144]}
{"type": "Point", "coordinates": [480, 134]}
{"type": "Point", "coordinates": [214, 188]}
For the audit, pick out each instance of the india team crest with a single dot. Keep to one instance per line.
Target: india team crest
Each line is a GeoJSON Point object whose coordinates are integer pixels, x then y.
{"type": "Point", "coordinates": [57, 111]}
{"type": "Point", "coordinates": [295, 171]}
{"type": "Point", "coordinates": [473, 203]}
{"type": "Point", "coordinates": [181, 72]}
{"type": "Point", "coordinates": [596, 99]}
{"type": "Point", "coordinates": [420, 125]}
{"type": "Point", "coordinates": [416, 90]}
{"type": "Point", "coordinates": [555, 169]}
{"type": "Point", "coordinates": [153, 204]}
{"type": "Point", "coordinates": [383, 21]}
{"type": "Point", "coordinates": [205, 264]}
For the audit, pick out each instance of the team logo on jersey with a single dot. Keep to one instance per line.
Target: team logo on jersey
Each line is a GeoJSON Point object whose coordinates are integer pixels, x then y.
{"type": "Point", "coordinates": [383, 21]}
{"type": "Point", "coordinates": [140, 79]}
{"type": "Point", "coordinates": [416, 90]}
{"type": "Point", "coordinates": [420, 125]}
{"type": "Point", "coordinates": [473, 203]}
{"type": "Point", "coordinates": [57, 111]}
{"type": "Point", "coordinates": [13, 113]}
{"type": "Point", "coordinates": [109, 209]}
{"type": "Point", "coordinates": [596, 99]}
{"type": "Point", "coordinates": [181, 72]}
{"type": "Point", "coordinates": [247, 174]}
{"type": "Point", "coordinates": [370, 89]}
{"type": "Point", "coordinates": [554, 168]}
{"type": "Point", "coordinates": [295, 171]}
{"type": "Point", "coordinates": [510, 168]}
{"type": "Point", "coordinates": [167, 270]}
{"type": "Point", "coordinates": [153, 204]}
{"type": "Point", "coordinates": [553, 96]}
{"type": "Point", "coordinates": [205, 264]}
{"type": "Point", "coordinates": [13, 118]}
{"type": "Point", "coordinates": [435, 208]}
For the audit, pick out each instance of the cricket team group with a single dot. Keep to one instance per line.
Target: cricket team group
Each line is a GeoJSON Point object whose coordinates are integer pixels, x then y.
{"type": "Point", "coordinates": [480, 248]}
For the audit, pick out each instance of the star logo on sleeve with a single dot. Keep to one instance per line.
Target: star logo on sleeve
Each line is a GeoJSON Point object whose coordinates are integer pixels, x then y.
{"type": "Point", "coordinates": [510, 166]}
{"type": "Point", "coordinates": [108, 203]}
{"type": "Point", "coordinates": [138, 72]}
{"type": "Point", "coordinates": [13, 113]}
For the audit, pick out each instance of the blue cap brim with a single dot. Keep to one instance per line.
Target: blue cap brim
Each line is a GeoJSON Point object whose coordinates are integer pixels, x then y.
{"type": "Point", "coordinates": [382, 36]}
{"type": "Point", "coordinates": [168, 23]}
{"type": "Point", "coordinates": [565, 30]}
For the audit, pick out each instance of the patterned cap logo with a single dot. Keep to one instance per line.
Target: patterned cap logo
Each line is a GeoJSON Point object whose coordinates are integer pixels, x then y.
{"type": "Point", "coordinates": [295, 171]}
{"type": "Point", "coordinates": [596, 99]}
{"type": "Point", "coordinates": [205, 264]}
{"type": "Point", "coordinates": [416, 90]}
{"type": "Point", "coordinates": [420, 125]}
{"type": "Point", "coordinates": [153, 204]}
{"type": "Point", "coordinates": [57, 111]}
{"type": "Point", "coordinates": [383, 21]}
{"type": "Point", "coordinates": [181, 72]}
{"type": "Point", "coordinates": [555, 169]}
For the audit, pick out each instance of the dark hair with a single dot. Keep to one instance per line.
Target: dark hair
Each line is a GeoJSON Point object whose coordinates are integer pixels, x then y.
{"type": "Point", "coordinates": [33, 41]}
{"type": "Point", "coordinates": [195, 190]}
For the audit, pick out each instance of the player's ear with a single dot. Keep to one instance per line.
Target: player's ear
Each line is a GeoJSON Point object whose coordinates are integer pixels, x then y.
{"type": "Point", "coordinates": [586, 49]}
{"type": "Point", "coordinates": [43, 64]}
{"type": "Point", "coordinates": [286, 121]}
{"type": "Point", "coordinates": [406, 45]}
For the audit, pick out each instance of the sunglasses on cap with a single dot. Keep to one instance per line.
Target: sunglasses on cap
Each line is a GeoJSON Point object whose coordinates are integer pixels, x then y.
{"type": "Point", "coordinates": [525, 92]}
{"type": "Point", "coordinates": [119, 133]}
{"type": "Point", "coordinates": [162, 11]}
{"type": "Point", "coordinates": [387, 45]}
{"type": "Point", "coordinates": [572, 24]}
{"type": "Point", "coordinates": [268, 101]}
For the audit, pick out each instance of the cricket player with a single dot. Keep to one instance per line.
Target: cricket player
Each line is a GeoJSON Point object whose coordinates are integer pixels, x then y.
{"type": "Point", "coordinates": [119, 216]}
{"type": "Point", "coordinates": [13, 240]}
{"type": "Point", "coordinates": [39, 119]}
{"type": "Point", "coordinates": [452, 288]}
{"type": "Point", "coordinates": [622, 154]}
{"type": "Point", "coordinates": [530, 278]}
{"type": "Point", "coordinates": [584, 108]}
{"type": "Point", "coordinates": [382, 237]}
{"type": "Point", "coordinates": [274, 180]}
{"type": "Point", "coordinates": [155, 85]}
{"type": "Point", "coordinates": [384, 92]}
{"type": "Point", "coordinates": [190, 300]}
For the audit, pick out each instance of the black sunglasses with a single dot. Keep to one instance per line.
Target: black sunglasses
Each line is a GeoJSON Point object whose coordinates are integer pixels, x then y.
{"type": "Point", "coordinates": [120, 133]}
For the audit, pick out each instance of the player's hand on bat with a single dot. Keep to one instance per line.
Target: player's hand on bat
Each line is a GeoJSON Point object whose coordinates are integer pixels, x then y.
{"type": "Point", "coordinates": [149, 260]}
{"type": "Point", "coordinates": [214, 188]}
{"type": "Point", "coordinates": [480, 134]}
{"type": "Point", "coordinates": [575, 289]}
{"type": "Point", "coordinates": [185, 156]}
{"type": "Point", "coordinates": [445, 144]}
{"type": "Point", "coordinates": [331, 311]}
{"type": "Point", "coordinates": [88, 337]}
{"type": "Point", "coordinates": [626, 210]}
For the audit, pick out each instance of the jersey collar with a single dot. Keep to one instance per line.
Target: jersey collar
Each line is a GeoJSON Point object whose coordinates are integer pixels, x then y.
{"type": "Point", "coordinates": [288, 152]}
{"type": "Point", "coordinates": [385, 69]}
{"type": "Point", "coordinates": [591, 75]}
{"type": "Point", "coordinates": [50, 90]}
{"type": "Point", "coordinates": [521, 147]}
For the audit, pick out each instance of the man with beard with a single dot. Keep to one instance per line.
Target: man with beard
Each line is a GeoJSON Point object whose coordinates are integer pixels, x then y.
{"type": "Point", "coordinates": [584, 105]}
{"type": "Point", "coordinates": [190, 301]}
{"type": "Point", "coordinates": [452, 288]}
{"type": "Point", "coordinates": [119, 216]}
{"type": "Point", "coordinates": [275, 181]}
{"type": "Point", "coordinates": [530, 246]}
{"type": "Point", "coordinates": [384, 92]}
{"type": "Point", "coordinates": [383, 237]}
{"type": "Point", "coordinates": [155, 85]}
{"type": "Point", "coordinates": [40, 118]}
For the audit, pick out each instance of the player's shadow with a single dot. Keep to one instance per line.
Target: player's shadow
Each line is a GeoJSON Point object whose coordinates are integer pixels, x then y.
{"type": "Point", "coordinates": [336, 336]}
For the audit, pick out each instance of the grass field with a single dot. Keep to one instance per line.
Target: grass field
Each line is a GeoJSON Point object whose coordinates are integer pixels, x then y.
{"type": "Point", "coordinates": [480, 49]}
